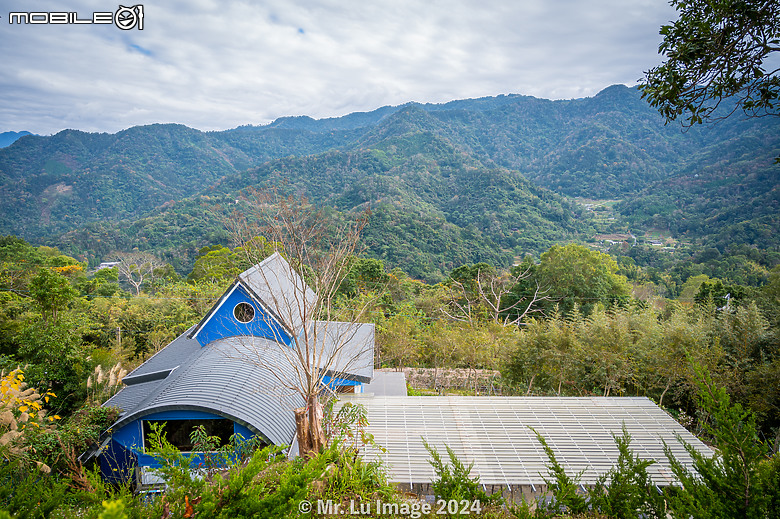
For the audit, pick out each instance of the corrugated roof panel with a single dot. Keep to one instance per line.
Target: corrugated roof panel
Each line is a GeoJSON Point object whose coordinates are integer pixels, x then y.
{"type": "Point", "coordinates": [350, 346]}
{"type": "Point", "coordinates": [495, 434]}
{"type": "Point", "coordinates": [179, 351]}
{"type": "Point", "coordinates": [128, 398]}
{"type": "Point", "coordinates": [220, 378]}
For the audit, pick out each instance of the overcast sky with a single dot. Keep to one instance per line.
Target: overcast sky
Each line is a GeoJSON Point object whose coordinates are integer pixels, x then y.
{"type": "Point", "coordinates": [218, 64]}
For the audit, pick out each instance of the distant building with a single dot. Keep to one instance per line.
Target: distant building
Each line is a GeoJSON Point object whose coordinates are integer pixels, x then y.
{"type": "Point", "coordinates": [616, 238]}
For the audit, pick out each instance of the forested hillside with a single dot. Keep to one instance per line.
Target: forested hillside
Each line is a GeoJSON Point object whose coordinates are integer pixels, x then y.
{"type": "Point", "coordinates": [471, 180]}
{"type": "Point", "coordinates": [434, 206]}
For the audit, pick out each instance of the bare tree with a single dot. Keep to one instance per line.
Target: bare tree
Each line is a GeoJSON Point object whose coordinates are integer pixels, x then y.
{"type": "Point", "coordinates": [138, 268]}
{"type": "Point", "coordinates": [314, 250]}
{"type": "Point", "coordinates": [486, 297]}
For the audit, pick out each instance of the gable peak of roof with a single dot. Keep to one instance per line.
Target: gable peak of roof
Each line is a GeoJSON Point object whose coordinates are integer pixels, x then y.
{"type": "Point", "coordinates": [280, 289]}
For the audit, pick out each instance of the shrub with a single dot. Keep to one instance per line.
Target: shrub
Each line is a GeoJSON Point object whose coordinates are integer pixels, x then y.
{"type": "Point", "coordinates": [727, 484]}
{"type": "Point", "coordinates": [27, 493]}
{"type": "Point", "coordinates": [769, 477]}
{"type": "Point", "coordinates": [257, 488]}
{"type": "Point", "coordinates": [453, 480]}
{"type": "Point", "coordinates": [562, 487]}
{"type": "Point", "coordinates": [627, 491]}
{"type": "Point", "coordinates": [22, 414]}
{"type": "Point", "coordinates": [347, 476]}
{"type": "Point", "coordinates": [60, 447]}
{"type": "Point", "coordinates": [113, 510]}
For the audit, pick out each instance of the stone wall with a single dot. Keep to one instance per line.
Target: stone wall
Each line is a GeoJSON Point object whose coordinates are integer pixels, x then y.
{"type": "Point", "coordinates": [485, 381]}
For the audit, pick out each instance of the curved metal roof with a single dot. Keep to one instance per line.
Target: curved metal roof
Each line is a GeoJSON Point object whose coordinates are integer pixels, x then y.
{"type": "Point", "coordinates": [239, 378]}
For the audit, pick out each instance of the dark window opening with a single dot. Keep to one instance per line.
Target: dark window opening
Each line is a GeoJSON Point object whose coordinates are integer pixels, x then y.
{"type": "Point", "coordinates": [244, 312]}
{"type": "Point", "coordinates": [178, 432]}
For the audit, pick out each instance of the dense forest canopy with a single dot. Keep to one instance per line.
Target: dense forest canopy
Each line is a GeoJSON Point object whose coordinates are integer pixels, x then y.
{"type": "Point", "coordinates": [495, 178]}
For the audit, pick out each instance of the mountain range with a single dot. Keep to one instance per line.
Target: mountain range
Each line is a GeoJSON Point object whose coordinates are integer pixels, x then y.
{"type": "Point", "coordinates": [485, 179]}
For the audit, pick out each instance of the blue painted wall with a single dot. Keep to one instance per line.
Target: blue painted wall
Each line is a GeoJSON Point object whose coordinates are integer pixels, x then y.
{"type": "Point", "coordinates": [125, 451]}
{"type": "Point", "coordinates": [117, 462]}
{"type": "Point", "coordinates": [335, 381]}
{"type": "Point", "coordinates": [223, 323]}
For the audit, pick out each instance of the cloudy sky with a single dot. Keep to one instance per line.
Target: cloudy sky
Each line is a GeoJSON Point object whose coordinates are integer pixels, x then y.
{"type": "Point", "coordinates": [217, 64]}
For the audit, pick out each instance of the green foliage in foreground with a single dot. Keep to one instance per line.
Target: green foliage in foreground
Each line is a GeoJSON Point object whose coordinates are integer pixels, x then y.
{"type": "Point", "coordinates": [262, 484]}
{"type": "Point", "coordinates": [454, 481]}
{"type": "Point", "coordinates": [26, 492]}
{"type": "Point", "coordinates": [113, 510]}
{"type": "Point", "coordinates": [627, 491]}
{"type": "Point", "coordinates": [562, 486]}
{"type": "Point", "coordinates": [738, 481]}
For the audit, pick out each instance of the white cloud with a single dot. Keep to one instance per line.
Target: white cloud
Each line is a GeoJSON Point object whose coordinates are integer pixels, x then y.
{"type": "Point", "coordinates": [215, 65]}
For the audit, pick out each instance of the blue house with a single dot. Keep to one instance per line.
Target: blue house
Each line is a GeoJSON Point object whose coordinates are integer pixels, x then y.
{"type": "Point", "coordinates": [236, 371]}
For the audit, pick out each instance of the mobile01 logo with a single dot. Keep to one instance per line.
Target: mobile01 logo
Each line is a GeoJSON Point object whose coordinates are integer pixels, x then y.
{"type": "Point", "coordinates": [125, 18]}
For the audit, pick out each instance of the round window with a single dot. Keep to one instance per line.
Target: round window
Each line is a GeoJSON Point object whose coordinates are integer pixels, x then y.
{"type": "Point", "coordinates": [244, 312]}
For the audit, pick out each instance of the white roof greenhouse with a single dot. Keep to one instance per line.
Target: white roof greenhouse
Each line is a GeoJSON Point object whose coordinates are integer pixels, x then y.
{"type": "Point", "coordinates": [497, 435]}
